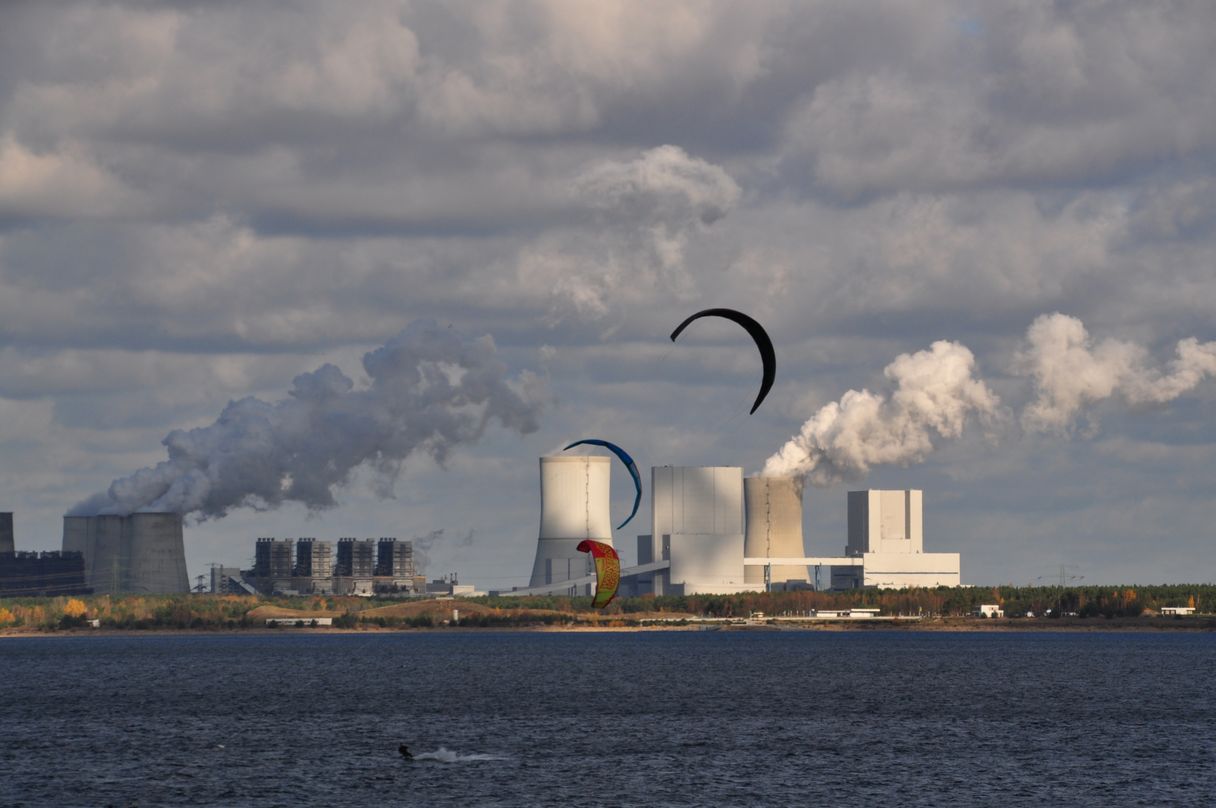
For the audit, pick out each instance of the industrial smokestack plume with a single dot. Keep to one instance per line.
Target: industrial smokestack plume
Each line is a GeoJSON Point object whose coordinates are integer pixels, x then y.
{"type": "Point", "coordinates": [774, 527]}
{"type": "Point", "coordinates": [573, 507]}
{"type": "Point", "coordinates": [935, 393]}
{"type": "Point", "coordinates": [431, 390]}
{"type": "Point", "coordinates": [143, 553]}
{"type": "Point", "coordinates": [7, 542]}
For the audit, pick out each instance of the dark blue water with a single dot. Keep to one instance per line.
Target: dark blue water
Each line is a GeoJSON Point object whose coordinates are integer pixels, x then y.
{"type": "Point", "coordinates": [709, 718]}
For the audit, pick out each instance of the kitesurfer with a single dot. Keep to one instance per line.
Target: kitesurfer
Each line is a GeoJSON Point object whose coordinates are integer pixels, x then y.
{"type": "Point", "coordinates": [405, 752]}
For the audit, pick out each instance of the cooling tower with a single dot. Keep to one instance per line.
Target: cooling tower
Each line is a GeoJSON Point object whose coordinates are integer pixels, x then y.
{"type": "Point", "coordinates": [774, 527]}
{"type": "Point", "coordinates": [76, 534]}
{"type": "Point", "coordinates": [106, 554]}
{"type": "Point", "coordinates": [573, 506]}
{"type": "Point", "coordinates": [140, 553]}
{"type": "Point", "coordinates": [7, 544]}
{"type": "Point", "coordinates": [156, 555]}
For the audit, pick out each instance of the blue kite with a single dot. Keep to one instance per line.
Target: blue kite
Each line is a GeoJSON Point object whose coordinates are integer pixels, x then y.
{"type": "Point", "coordinates": [630, 466]}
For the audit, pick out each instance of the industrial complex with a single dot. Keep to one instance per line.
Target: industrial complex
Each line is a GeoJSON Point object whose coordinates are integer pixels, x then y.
{"type": "Point", "coordinates": [360, 567]}
{"type": "Point", "coordinates": [715, 532]}
{"type": "Point", "coordinates": [37, 573]}
{"type": "Point", "coordinates": [712, 531]}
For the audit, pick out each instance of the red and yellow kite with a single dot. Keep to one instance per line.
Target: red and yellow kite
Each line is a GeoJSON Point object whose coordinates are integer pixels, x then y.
{"type": "Point", "coordinates": [607, 570]}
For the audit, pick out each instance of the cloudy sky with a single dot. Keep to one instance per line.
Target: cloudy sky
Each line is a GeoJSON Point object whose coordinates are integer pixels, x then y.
{"type": "Point", "coordinates": [436, 241]}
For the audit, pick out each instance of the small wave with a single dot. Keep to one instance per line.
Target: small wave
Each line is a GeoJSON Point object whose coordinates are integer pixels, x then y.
{"type": "Point", "coordinates": [445, 755]}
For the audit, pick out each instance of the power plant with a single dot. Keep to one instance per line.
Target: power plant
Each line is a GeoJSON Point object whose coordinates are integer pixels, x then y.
{"type": "Point", "coordinates": [711, 532]}
{"type": "Point", "coordinates": [141, 553]}
{"type": "Point", "coordinates": [714, 532]}
{"type": "Point", "coordinates": [360, 567]}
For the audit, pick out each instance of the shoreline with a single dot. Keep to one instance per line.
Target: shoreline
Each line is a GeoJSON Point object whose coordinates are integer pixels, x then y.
{"type": "Point", "coordinates": [947, 625]}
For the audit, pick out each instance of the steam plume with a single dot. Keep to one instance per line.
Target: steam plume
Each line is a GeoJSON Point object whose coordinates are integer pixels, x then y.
{"type": "Point", "coordinates": [1070, 371]}
{"type": "Point", "coordinates": [431, 390]}
{"type": "Point", "coordinates": [934, 394]}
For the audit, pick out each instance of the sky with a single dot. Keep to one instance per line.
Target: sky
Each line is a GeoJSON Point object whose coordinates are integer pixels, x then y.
{"type": "Point", "coordinates": [329, 270]}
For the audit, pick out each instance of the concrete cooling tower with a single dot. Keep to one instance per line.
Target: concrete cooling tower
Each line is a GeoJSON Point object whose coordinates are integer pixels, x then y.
{"type": "Point", "coordinates": [573, 506]}
{"type": "Point", "coordinates": [7, 543]}
{"type": "Point", "coordinates": [143, 553]}
{"type": "Point", "coordinates": [156, 560]}
{"type": "Point", "coordinates": [774, 527]}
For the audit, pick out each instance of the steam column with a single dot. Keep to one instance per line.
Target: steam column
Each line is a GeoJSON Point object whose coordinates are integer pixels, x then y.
{"type": "Point", "coordinates": [573, 506]}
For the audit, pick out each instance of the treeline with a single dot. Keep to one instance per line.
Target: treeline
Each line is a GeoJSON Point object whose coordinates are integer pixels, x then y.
{"type": "Point", "coordinates": [1088, 601]}
{"type": "Point", "coordinates": [217, 612]}
{"type": "Point", "coordinates": [136, 612]}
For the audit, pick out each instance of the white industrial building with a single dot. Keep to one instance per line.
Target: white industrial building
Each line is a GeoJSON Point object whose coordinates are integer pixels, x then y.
{"type": "Point", "coordinates": [886, 531]}
{"type": "Point", "coordinates": [713, 532]}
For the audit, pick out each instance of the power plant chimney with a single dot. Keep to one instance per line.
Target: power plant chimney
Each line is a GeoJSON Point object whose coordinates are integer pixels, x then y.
{"type": "Point", "coordinates": [774, 527]}
{"type": "Point", "coordinates": [7, 543]}
{"type": "Point", "coordinates": [573, 506]}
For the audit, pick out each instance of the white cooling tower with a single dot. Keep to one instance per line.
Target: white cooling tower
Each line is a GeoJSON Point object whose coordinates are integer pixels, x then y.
{"type": "Point", "coordinates": [774, 527]}
{"type": "Point", "coordinates": [156, 555]}
{"type": "Point", "coordinates": [573, 506]}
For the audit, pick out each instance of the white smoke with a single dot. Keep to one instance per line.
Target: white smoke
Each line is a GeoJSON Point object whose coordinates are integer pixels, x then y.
{"type": "Point", "coordinates": [431, 390]}
{"type": "Point", "coordinates": [1071, 371]}
{"type": "Point", "coordinates": [935, 393]}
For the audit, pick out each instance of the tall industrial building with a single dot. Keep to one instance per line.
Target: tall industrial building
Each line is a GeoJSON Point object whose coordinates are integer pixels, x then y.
{"type": "Point", "coordinates": [272, 564]}
{"type": "Point", "coordinates": [355, 566]}
{"type": "Point", "coordinates": [7, 543]}
{"type": "Point", "coordinates": [697, 526]}
{"type": "Point", "coordinates": [395, 563]}
{"type": "Point", "coordinates": [774, 529]}
{"type": "Point", "coordinates": [886, 531]}
{"type": "Point", "coordinates": [141, 553]}
{"type": "Point", "coordinates": [573, 506]}
{"type": "Point", "coordinates": [314, 569]}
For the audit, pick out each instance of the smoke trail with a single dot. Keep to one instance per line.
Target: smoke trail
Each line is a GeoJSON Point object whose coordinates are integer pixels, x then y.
{"type": "Point", "coordinates": [1070, 371]}
{"type": "Point", "coordinates": [431, 390]}
{"type": "Point", "coordinates": [424, 544]}
{"type": "Point", "coordinates": [934, 394]}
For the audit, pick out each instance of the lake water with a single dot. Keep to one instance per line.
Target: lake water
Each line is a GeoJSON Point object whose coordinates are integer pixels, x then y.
{"type": "Point", "coordinates": [654, 718]}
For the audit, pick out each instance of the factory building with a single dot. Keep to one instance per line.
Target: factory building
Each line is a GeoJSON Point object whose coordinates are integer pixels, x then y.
{"type": "Point", "coordinates": [697, 527]}
{"type": "Point", "coordinates": [313, 573]}
{"type": "Point", "coordinates": [35, 574]}
{"type": "Point", "coordinates": [355, 566]}
{"type": "Point", "coordinates": [394, 565]}
{"type": "Point", "coordinates": [713, 532]}
{"type": "Point", "coordinates": [142, 553]}
{"type": "Point", "coordinates": [886, 531]}
{"type": "Point", "coordinates": [272, 565]}
{"type": "Point", "coordinates": [573, 507]}
{"type": "Point", "coordinates": [358, 567]}
{"type": "Point", "coordinates": [32, 574]}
